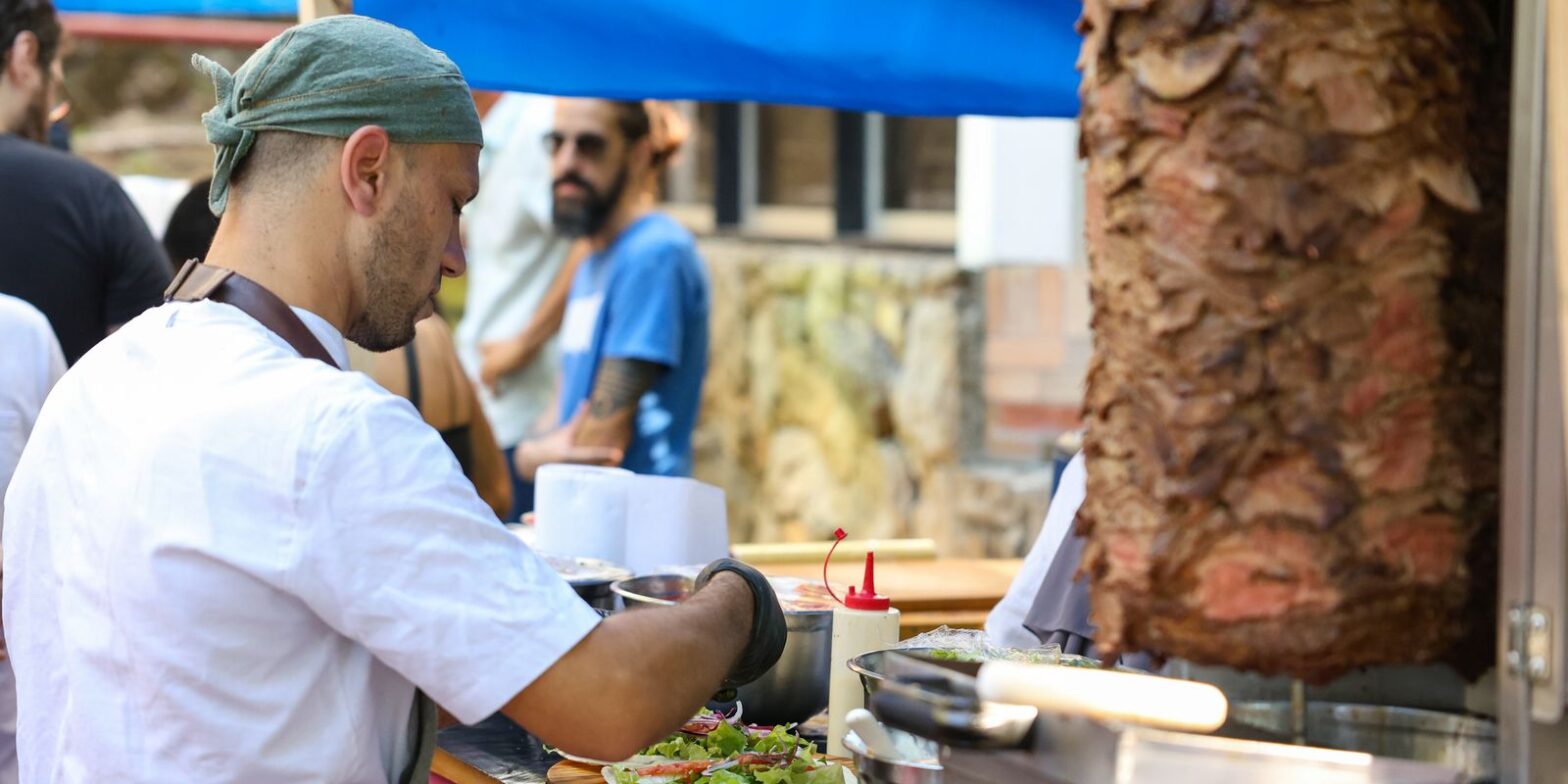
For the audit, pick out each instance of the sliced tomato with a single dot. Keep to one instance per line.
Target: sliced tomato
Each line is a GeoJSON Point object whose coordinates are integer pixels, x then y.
{"type": "Point", "coordinates": [676, 768]}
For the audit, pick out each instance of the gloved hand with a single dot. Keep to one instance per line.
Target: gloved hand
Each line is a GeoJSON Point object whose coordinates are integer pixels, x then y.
{"type": "Point", "coordinates": [768, 630]}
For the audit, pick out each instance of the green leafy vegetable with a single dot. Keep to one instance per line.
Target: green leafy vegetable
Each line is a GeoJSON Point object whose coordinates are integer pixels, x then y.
{"type": "Point", "coordinates": [779, 741]}
{"type": "Point", "coordinates": [679, 747]}
{"type": "Point", "coordinates": [725, 740]}
{"type": "Point", "coordinates": [827, 774]}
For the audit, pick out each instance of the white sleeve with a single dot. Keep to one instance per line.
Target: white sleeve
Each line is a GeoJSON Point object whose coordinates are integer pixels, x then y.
{"type": "Point", "coordinates": [398, 553]}
{"type": "Point", "coordinates": [1005, 624]}
{"type": "Point", "coordinates": [32, 364]}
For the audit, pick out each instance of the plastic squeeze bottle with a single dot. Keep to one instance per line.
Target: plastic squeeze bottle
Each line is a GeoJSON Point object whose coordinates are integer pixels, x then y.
{"type": "Point", "coordinates": [865, 622]}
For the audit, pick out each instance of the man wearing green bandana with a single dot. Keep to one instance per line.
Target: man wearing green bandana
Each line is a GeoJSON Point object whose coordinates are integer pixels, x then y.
{"type": "Point", "coordinates": [265, 582]}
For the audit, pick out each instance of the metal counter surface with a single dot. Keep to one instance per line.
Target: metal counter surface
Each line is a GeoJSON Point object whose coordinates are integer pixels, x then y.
{"type": "Point", "coordinates": [500, 749]}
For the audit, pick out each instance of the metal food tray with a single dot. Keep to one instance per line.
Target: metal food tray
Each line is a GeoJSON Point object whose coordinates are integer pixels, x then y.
{"type": "Point", "coordinates": [985, 742]}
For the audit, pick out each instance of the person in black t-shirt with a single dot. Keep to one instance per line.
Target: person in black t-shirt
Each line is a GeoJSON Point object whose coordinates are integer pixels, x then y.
{"type": "Point", "coordinates": [71, 242]}
{"type": "Point", "coordinates": [191, 226]}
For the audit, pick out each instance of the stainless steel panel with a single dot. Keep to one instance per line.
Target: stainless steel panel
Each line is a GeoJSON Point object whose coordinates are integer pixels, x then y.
{"type": "Point", "coordinates": [1464, 743]}
{"type": "Point", "coordinates": [1534, 546]}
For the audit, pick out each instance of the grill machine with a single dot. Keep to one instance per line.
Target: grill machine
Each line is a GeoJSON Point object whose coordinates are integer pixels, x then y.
{"type": "Point", "coordinates": [1526, 693]}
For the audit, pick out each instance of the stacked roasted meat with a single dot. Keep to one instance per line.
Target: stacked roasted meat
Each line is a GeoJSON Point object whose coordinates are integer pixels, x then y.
{"type": "Point", "coordinates": [1296, 270]}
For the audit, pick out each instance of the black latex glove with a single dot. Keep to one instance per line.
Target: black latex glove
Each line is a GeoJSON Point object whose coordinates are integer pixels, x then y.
{"type": "Point", "coordinates": [768, 630]}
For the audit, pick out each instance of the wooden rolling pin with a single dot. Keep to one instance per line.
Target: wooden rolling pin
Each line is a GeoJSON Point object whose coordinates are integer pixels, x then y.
{"type": "Point", "coordinates": [851, 550]}
{"type": "Point", "coordinates": [1149, 700]}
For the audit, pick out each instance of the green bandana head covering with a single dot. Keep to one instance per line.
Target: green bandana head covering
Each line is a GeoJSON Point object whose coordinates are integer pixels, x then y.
{"type": "Point", "coordinates": [332, 77]}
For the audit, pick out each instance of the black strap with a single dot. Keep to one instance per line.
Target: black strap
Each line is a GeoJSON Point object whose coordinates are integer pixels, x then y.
{"type": "Point", "coordinates": [197, 281]}
{"type": "Point", "coordinates": [411, 360]}
{"type": "Point", "coordinates": [459, 439]}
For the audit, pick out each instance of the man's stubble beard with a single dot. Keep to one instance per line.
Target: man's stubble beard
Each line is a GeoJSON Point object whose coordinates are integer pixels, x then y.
{"type": "Point", "coordinates": [393, 296]}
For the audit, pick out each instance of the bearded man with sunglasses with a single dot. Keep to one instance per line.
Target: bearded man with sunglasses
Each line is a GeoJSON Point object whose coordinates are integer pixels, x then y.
{"type": "Point", "coordinates": [634, 341]}
{"type": "Point", "coordinates": [74, 245]}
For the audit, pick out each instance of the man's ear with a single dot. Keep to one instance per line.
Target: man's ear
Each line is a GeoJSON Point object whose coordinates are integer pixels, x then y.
{"type": "Point", "coordinates": [641, 156]}
{"type": "Point", "coordinates": [21, 60]}
{"type": "Point", "coordinates": [363, 169]}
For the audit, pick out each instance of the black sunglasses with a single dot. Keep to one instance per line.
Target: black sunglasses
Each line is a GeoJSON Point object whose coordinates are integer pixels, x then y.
{"type": "Point", "coordinates": [589, 145]}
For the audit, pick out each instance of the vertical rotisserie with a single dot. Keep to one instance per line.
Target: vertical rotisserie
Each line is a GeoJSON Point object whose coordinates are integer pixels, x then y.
{"type": "Point", "coordinates": [1294, 235]}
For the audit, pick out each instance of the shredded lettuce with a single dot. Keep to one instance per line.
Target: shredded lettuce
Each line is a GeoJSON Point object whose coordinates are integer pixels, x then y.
{"type": "Point", "coordinates": [827, 774]}
{"type": "Point", "coordinates": [726, 740]}
{"type": "Point", "coordinates": [679, 747]}
{"type": "Point", "coordinates": [779, 741]}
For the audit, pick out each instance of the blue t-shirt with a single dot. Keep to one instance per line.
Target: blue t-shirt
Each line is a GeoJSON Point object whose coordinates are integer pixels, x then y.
{"type": "Point", "coordinates": [644, 297]}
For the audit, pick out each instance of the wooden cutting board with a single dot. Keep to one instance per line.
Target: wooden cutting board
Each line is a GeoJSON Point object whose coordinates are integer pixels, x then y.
{"type": "Point", "coordinates": [943, 585]}
{"type": "Point", "coordinates": [569, 772]}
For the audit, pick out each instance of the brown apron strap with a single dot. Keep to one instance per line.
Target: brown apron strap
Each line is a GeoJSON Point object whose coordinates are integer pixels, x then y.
{"type": "Point", "coordinates": [422, 740]}
{"type": "Point", "coordinates": [197, 281]}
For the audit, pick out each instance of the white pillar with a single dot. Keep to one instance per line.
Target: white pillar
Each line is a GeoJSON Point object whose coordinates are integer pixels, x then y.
{"type": "Point", "coordinates": [311, 10]}
{"type": "Point", "coordinates": [1020, 192]}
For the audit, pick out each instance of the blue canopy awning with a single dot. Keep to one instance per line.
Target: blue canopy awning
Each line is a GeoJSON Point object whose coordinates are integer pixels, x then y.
{"type": "Point", "coordinates": [921, 57]}
{"type": "Point", "coordinates": [918, 57]}
{"type": "Point", "coordinates": [273, 8]}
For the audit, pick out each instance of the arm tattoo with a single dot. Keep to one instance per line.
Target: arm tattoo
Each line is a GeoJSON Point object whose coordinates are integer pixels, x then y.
{"type": "Point", "coordinates": [621, 383]}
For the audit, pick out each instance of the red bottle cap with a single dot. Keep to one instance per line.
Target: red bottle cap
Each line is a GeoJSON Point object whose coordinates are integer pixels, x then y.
{"type": "Point", "coordinates": [867, 597]}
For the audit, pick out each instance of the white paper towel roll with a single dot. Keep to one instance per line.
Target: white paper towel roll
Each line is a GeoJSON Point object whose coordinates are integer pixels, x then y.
{"type": "Point", "coordinates": [673, 520]}
{"type": "Point", "coordinates": [581, 511]}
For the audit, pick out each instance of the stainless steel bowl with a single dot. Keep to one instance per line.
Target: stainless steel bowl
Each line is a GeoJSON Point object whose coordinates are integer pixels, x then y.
{"type": "Point", "coordinates": [591, 578]}
{"type": "Point", "coordinates": [1464, 743]}
{"type": "Point", "coordinates": [795, 689]}
{"type": "Point", "coordinates": [653, 590]}
{"type": "Point", "coordinates": [875, 770]}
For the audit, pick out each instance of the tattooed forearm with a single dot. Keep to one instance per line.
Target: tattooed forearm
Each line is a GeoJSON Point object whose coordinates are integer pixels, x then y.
{"type": "Point", "coordinates": [613, 404]}
{"type": "Point", "coordinates": [620, 384]}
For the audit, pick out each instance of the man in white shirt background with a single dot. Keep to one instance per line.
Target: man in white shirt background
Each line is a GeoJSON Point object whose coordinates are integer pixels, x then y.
{"type": "Point", "coordinates": [506, 338]}
{"type": "Point", "coordinates": [29, 365]}
{"type": "Point", "coordinates": [265, 583]}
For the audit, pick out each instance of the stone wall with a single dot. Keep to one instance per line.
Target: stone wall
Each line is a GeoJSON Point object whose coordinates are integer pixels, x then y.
{"type": "Point", "coordinates": [844, 391]}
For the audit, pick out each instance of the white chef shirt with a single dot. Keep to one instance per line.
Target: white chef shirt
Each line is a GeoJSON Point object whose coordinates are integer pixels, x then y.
{"type": "Point", "coordinates": [29, 365]}
{"type": "Point", "coordinates": [1005, 625]}
{"type": "Point", "coordinates": [226, 563]}
{"type": "Point", "coordinates": [513, 255]}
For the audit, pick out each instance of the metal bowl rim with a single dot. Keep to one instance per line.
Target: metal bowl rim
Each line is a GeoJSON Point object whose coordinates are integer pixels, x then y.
{"type": "Point", "coordinates": [858, 747]}
{"type": "Point", "coordinates": [620, 589]}
{"type": "Point", "coordinates": [610, 571]}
